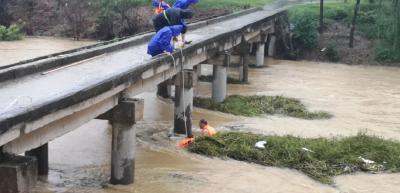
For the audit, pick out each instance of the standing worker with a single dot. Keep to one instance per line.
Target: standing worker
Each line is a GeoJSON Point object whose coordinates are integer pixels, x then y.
{"type": "Point", "coordinates": [173, 16]}
{"type": "Point", "coordinates": [184, 4]}
{"type": "Point", "coordinates": [206, 130]}
{"type": "Point", "coordinates": [161, 42]}
{"type": "Point", "coordinates": [160, 6]}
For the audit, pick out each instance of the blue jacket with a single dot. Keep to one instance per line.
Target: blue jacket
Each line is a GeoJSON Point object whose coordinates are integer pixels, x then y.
{"type": "Point", "coordinates": [162, 40]}
{"type": "Point", "coordinates": [164, 5]}
{"type": "Point", "coordinates": [184, 4]}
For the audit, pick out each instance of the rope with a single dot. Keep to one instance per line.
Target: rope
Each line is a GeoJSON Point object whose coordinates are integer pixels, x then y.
{"type": "Point", "coordinates": [183, 94]}
{"type": "Point", "coordinates": [183, 87]}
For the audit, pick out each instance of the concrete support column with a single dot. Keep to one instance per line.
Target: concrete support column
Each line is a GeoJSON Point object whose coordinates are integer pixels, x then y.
{"type": "Point", "coordinates": [17, 173]}
{"type": "Point", "coordinates": [244, 68]}
{"type": "Point", "coordinates": [164, 89]}
{"type": "Point", "coordinates": [42, 156]}
{"type": "Point", "coordinates": [260, 54]}
{"type": "Point", "coordinates": [219, 80]}
{"type": "Point", "coordinates": [122, 119]}
{"type": "Point", "coordinates": [271, 46]}
{"type": "Point", "coordinates": [199, 70]}
{"type": "Point", "coordinates": [183, 102]}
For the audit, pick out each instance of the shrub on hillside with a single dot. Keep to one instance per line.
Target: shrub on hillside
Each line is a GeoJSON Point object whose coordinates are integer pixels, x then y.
{"type": "Point", "coordinates": [304, 30]}
{"type": "Point", "coordinates": [386, 53]}
{"type": "Point", "coordinates": [332, 52]}
{"type": "Point", "coordinates": [11, 33]}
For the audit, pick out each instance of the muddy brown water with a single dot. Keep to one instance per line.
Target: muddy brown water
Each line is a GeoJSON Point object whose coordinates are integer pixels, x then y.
{"type": "Point", "coordinates": [361, 98]}
{"type": "Point", "coordinates": [31, 47]}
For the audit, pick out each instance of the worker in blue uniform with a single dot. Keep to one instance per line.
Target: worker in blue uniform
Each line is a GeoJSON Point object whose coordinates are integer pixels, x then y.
{"type": "Point", "coordinates": [173, 16]}
{"type": "Point", "coordinates": [184, 4]}
{"type": "Point", "coordinates": [161, 42]}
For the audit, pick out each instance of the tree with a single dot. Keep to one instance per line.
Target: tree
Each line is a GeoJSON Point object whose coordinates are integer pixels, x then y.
{"type": "Point", "coordinates": [77, 13]}
{"type": "Point", "coordinates": [396, 24]}
{"type": "Point", "coordinates": [118, 17]}
{"type": "Point", "coordinates": [4, 15]}
{"type": "Point", "coordinates": [353, 24]}
{"type": "Point", "coordinates": [321, 17]}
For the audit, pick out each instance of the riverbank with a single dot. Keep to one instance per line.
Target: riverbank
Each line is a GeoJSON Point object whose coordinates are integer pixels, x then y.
{"type": "Point", "coordinates": [375, 41]}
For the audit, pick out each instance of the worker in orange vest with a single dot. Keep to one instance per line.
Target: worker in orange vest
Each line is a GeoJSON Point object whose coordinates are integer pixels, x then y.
{"type": "Point", "coordinates": [206, 130]}
{"type": "Point", "coordinates": [184, 143]}
{"type": "Point", "coordinates": [160, 6]}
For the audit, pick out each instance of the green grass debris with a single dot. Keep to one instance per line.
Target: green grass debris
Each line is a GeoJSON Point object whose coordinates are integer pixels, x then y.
{"type": "Point", "coordinates": [327, 158]}
{"type": "Point", "coordinates": [259, 105]}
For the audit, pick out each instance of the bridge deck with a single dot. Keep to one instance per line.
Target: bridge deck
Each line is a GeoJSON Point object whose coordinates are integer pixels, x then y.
{"type": "Point", "coordinates": [21, 98]}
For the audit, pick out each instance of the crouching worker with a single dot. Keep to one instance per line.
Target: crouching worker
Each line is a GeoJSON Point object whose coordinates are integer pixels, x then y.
{"type": "Point", "coordinates": [161, 42]}
{"type": "Point", "coordinates": [173, 16]}
{"type": "Point", "coordinates": [206, 130]}
{"type": "Point", "coordinates": [184, 143]}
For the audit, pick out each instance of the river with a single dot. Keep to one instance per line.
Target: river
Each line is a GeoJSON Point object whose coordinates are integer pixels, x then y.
{"type": "Point", "coordinates": [31, 47]}
{"type": "Point", "coordinates": [361, 98]}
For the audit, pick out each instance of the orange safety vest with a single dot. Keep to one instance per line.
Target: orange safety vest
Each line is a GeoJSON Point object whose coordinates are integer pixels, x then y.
{"type": "Point", "coordinates": [184, 143]}
{"type": "Point", "coordinates": [159, 9]}
{"type": "Point", "coordinates": [209, 131]}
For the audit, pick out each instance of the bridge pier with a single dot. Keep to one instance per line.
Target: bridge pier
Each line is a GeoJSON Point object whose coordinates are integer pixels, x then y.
{"type": "Point", "coordinates": [244, 68]}
{"type": "Point", "coordinates": [122, 118]}
{"type": "Point", "coordinates": [244, 49]}
{"type": "Point", "coordinates": [42, 156]}
{"type": "Point", "coordinates": [219, 80]}
{"type": "Point", "coordinates": [271, 46]}
{"type": "Point", "coordinates": [17, 173]}
{"type": "Point", "coordinates": [198, 70]}
{"type": "Point", "coordinates": [260, 54]}
{"type": "Point", "coordinates": [164, 89]}
{"type": "Point", "coordinates": [183, 102]}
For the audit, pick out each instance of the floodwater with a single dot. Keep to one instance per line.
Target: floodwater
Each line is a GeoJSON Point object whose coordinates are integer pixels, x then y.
{"type": "Point", "coordinates": [361, 98]}
{"type": "Point", "coordinates": [31, 47]}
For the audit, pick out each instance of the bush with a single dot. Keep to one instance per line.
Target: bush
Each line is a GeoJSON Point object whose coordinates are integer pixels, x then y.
{"type": "Point", "coordinates": [385, 53]}
{"type": "Point", "coordinates": [305, 30]}
{"type": "Point", "coordinates": [11, 33]}
{"type": "Point", "coordinates": [332, 52]}
{"type": "Point", "coordinates": [321, 160]}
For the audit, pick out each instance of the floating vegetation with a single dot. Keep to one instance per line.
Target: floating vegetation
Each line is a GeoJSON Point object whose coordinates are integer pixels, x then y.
{"type": "Point", "coordinates": [258, 105]}
{"type": "Point", "coordinates": [320, 158]}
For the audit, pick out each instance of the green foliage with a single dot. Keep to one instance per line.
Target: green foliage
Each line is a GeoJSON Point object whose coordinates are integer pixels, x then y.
{"type": "Point", "coordinates": [329, 157]}
{"type": "Point", "coordinates": [231, 4]}
{"type": "Point", "coordinates": [116, 18]}
{"type": "Point", "coordinates": [304, 30]}
{"type": "Point", "coordinates": [332, 52]}
{"type": "Point", "coordinates": [386, 53]}
{"type": "Point", "coordinates": [11, 33]}
{"type": "Point", "coordinates": [375, 20]}
{"type": "Point", "coordinates": [258, 105]}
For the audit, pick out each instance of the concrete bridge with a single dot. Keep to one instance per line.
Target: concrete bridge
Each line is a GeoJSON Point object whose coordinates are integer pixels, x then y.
{"type": "Point", "coordinates": [45, 98]}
